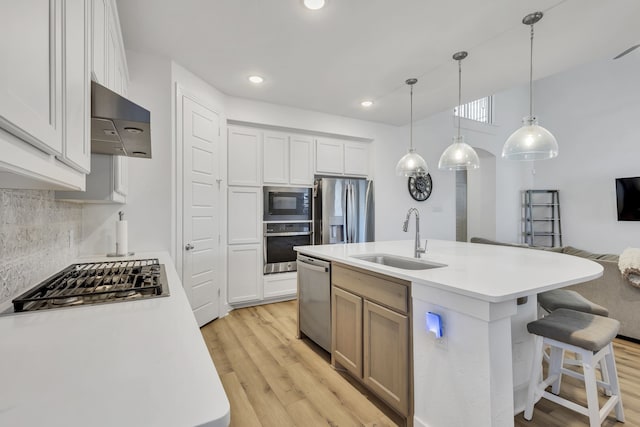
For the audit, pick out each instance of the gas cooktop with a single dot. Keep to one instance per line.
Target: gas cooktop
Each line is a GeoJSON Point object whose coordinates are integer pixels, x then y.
{"type": "Point", "coordinates": [97, 283]}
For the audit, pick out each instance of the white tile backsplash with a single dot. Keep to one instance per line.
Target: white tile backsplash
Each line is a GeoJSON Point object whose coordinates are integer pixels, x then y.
{"type": "Point", "coordinates": [38, 236]}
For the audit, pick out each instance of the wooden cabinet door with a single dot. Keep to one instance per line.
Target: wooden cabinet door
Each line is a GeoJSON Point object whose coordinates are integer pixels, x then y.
{"type": "Point", "coordinates": [244, 220]}
{"type": "Point", "coordinates": [356, 158]}
{"type": "Point", "coordinates": [244, 274]}
{"type": "Point", "coordinates": [30, 75]}
{"type": "Point", "coordinates": [386, 355]}
{"type": "Point", "coordinates": [329, 156]}
{"type": "Point", "coordinates": [77, 140]}
{"type": "Point", "coordinates": [275, 147]}
{"type": "Point", "coordinates": [346, 330]}
{"type": "Point", "coordinates": [244, 166]}
{"type": "Point", "coordinates": [301, 160]}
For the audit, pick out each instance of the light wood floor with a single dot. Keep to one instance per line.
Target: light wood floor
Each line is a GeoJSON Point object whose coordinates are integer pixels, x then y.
{"type": "Point", "coordinates": [273, 379]}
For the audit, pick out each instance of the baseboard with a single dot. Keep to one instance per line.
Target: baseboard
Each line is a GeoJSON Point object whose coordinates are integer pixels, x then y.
{"type": "Point", "coordinates": [630, 339]}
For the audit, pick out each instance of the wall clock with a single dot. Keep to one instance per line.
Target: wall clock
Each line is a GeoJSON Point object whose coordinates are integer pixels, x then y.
{"type": "Point", "coordinates": [420, 187]}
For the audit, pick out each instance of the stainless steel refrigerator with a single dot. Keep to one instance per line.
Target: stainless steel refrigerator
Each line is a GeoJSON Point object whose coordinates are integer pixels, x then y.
{"type": "Point", "coordinates": [343, 210]}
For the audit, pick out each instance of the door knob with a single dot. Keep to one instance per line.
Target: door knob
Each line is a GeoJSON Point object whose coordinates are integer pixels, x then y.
{"type": "Point", "coordinates": [189, 246]}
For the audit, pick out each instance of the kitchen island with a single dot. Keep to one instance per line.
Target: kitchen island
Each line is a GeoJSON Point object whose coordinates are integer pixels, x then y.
{"type": "Point", "coordinates": [131, 363]}
{"type": "Point", "coordinates": [477, 373]}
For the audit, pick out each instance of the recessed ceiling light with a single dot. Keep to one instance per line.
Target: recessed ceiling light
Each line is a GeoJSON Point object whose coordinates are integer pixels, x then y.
{"type": "Point", "coordinates": [314, 4]}
{"type": "Point", "coordinates": [366, 103]}
{"type": "Point", "coordinates": [256, 79]}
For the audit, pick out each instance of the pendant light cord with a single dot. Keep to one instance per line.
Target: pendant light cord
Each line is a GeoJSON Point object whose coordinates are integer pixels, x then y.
{"type": "Point", "coordinates": [531, 76]}
{"type": "Point", "coordinates": [459, 94]}
{"type": "Point", "coordinates": [411, 122]}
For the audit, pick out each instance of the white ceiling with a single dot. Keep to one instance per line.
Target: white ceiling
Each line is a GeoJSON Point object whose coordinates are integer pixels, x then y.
{"type": "Point", "coordinates": [329, 60]}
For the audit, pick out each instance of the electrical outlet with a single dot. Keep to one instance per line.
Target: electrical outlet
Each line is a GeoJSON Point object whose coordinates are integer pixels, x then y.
{"type": "Point", "coordinates": [441, 343]}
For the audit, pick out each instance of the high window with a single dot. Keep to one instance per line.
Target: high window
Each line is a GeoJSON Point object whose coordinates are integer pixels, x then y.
{"type": "Point", "coordinates": [480, 110]}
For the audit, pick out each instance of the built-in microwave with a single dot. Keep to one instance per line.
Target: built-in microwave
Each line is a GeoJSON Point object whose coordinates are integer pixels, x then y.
{"type": "Point", "coordinates": [287, 204]}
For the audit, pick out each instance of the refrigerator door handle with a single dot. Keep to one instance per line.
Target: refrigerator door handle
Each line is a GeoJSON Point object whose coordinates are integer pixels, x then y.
{"type": "Point", "coordinates": [351, 213]}
{"type": "Point", "coordinates": [347, 219]}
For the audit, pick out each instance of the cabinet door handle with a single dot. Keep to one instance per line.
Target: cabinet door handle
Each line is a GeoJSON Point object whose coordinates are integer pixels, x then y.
{"type": "Point", "coordinates": [189, 246]}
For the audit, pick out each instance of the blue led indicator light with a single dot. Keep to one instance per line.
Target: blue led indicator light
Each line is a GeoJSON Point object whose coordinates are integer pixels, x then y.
{"type": "Point", "coordinates": [434, 324]}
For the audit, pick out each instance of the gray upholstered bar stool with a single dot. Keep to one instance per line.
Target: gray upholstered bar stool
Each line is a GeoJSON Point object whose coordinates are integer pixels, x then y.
{"type": "Point", "coordinates": [564, 298]}
{"type": "Point", "coordinates": [591, 337]}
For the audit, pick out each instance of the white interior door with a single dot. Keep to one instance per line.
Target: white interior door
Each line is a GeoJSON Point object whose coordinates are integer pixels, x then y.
{"type": "Point", "coordinates": [201, 274]}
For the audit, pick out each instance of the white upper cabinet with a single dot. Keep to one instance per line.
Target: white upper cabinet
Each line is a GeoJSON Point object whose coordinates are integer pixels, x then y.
{"type": "Point", "coordinates": [301, 160]}
{"type": "Point", "coordinates": [276, 158]}
{"type": "Point", "coordinates": [99, 30]}
{"type": "Point", "coordinates": [337, 157]}
{"type": "Point", "coordinates": [77, 105]}
{"type": "Point", "coordinates": [356, 158]}
{"type": "Point", "coordinates": [30, 83]}
{"type": "Point", "coordinates": [44, 93]}
{"type": "Point", "coordinates": [329, 156]}
{"type": "Point", "coordinates": [288, 159]}
{"type": "Point", "coordinates": [244, 157]}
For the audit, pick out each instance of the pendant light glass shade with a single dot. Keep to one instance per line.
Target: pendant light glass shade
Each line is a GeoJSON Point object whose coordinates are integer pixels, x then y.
{"type": "Point", "coordinates": [411, 164]}
{"type": "Point", "coordinates": [459, 155]}
{"type": "Point", "coordinates": [531, 141]}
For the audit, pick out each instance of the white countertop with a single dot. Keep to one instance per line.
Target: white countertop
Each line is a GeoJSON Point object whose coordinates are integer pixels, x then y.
{"type": "Point", "coordinates": [133, 363]}
{"type": "Point", "coordinates": [486, 272]}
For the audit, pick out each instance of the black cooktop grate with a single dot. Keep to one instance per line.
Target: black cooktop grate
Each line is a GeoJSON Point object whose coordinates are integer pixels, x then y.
{"type": "Point", "coordinates": [96, 282]}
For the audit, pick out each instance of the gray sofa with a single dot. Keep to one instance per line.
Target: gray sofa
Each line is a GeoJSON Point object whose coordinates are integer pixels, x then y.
{"type": "Point", "coordinates": [611, 290]}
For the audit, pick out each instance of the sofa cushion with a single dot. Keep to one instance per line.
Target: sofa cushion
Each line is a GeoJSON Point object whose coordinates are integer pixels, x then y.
{"type": "Point", "coordinates": [570, 250]}
{"type": "Point", "coordinates": [493, 242]}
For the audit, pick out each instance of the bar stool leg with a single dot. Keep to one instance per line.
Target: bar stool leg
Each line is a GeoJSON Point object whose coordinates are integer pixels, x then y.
{"type": "Point", "coordinates": [555, 368]}
{"type": "Point", "coordinates": [605, 376]}
{"type": "Point", "coordinates": [612, 371]}
{"type": "Point", "coordinates": [536, 374]}
{"type": "Point", "coordinates": [591, 387]}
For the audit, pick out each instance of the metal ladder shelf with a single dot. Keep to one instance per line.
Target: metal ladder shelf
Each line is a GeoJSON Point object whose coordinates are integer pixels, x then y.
{"type": "Point", "coordinates": [541, 218]}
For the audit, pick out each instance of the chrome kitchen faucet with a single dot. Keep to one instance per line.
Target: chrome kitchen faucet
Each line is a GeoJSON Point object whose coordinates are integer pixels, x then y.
{"type": "Point", "coordinates": [417, 250]}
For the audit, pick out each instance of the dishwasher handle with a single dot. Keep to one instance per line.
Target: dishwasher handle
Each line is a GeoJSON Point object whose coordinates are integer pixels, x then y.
{"type": "Point", "coordinates": [313, 264]}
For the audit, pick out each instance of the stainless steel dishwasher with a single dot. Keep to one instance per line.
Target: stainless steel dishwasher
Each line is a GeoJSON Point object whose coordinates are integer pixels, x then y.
{"type": "Point", "coordinates": [314, 300]}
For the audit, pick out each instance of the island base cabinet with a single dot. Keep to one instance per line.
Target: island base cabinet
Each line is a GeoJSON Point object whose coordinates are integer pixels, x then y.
{"type": "Point", "coordinates": [371, 333]}
{"type": "Point", "coordinates": [386, 354]}
{"type": "Point", "coordinates": [346, 324]}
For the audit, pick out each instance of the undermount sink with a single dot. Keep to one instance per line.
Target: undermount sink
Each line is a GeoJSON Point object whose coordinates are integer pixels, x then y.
{"type": "Point", "coordinates": [398, 261]}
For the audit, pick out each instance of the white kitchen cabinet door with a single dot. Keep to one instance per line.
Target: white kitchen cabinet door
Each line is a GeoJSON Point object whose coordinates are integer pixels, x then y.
{"type": "Point", "coordinates": [329, 156]}
{"type": "Point", "coordinates": [244, 273]}
{"type": "Point", "coordinates": [356, 158]}
{"type": "Point", "coordinates": [276, 158]}
{"type": "Point", "coordinates": [107, 182]}
{"type": "Point", "coordinates": [244, 157]}
{"type": "Point", "coordinates": [99, 42]}
{"type": "Point", "coordinates": [301, 160]}
{"type": "Point", "coordinates": [280, 285]}
{"type": "Point", "coordinates": [121, 175]}
{"type": "Point", "coordinates": [76, 135]}
{"type": "Point", "coordinates": [244, 219]}
{"type": "Point", "coordinates": [30, 75]}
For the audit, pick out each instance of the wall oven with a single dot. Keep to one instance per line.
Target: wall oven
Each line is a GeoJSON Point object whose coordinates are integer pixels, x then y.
{"type": "Point", "coordinates": [287, 204]}
{"type": "Point", "coordinates": [279, 240]}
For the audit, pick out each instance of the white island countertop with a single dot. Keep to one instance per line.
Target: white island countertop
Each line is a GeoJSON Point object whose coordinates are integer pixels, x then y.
{"type": "Point", "coordinates": [486, 272]}
{"type": "Point", "coordinates": [133, 363]}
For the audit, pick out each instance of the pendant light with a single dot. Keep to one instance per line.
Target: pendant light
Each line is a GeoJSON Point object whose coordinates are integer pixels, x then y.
{"type": "Point", "coordinates": [411, 164]}
{"type": "Point", "coordinates": [459, 155]}
{"type": "Point", "coordinates": [531, 141]}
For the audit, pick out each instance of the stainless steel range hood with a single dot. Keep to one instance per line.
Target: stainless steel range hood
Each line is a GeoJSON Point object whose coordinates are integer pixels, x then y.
{"type": "Point", "coordinates": [118, 126]}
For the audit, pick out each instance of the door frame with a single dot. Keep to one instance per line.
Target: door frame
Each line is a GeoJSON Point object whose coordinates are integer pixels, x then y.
{"type": "Point", "coordinates": [177, 182]}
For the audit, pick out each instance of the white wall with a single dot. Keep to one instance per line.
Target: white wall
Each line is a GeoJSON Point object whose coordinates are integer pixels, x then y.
{"type": "Point", "coordinates": [481, 197]}
{"type": "Point", "coordinates": [148, 207]}
{"type": "Point", "coordinates": [593, 112]}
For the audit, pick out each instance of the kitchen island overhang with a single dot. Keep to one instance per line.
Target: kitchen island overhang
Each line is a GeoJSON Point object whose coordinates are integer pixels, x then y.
{"type": "Point", "coordinates": [478, 373]}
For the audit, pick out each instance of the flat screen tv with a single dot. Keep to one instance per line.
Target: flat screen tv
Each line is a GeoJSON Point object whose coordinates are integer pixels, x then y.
{"type": "Point", "coordinates": [628, 197]}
